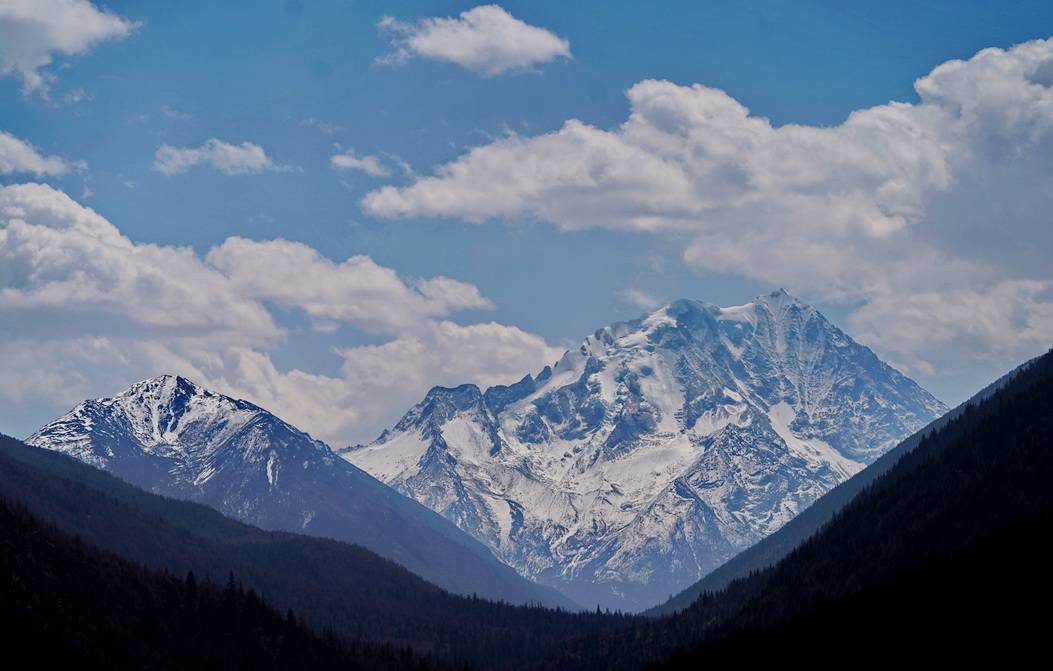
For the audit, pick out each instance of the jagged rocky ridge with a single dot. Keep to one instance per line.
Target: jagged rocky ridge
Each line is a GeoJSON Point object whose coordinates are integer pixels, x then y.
{"type": "Point", "coordinates": [169, 436]}
{"type": "Point", "coordinates": [658, 449]}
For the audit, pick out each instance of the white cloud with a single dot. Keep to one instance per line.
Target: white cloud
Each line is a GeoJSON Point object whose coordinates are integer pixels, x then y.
{"type": "Point", "coordinates": [486, 39]}
{"type": "Point", "coordinates": [348, 160]}
{"type": "Point", "coordinates": [174, 114]}
{"type": "Point", "coordinates": [246, 158]}
{"type": "Point", "coordinates": [325, 127]}
{"type": "Point", "coordinates": [639, 298]}
{"type": "Point", "coordinates": [843, 213]}
{"type": "Point", "coordinates": [357, 291]}
{"type": "Point", "coordinates": [66, 262]}
{"type": "Point", "coordinates": [76, 96]}
{"type": "Point", "coordinates": [33, 32]}
{"type": "Point", "coordinates": [87, 311]}
{"type": "Point", "coordinates": [18, 156]}
{"type": "Point", "coordinates": [987, 323]}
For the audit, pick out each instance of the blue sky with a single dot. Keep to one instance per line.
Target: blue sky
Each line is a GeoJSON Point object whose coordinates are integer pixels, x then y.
{"type": "Point", "coordinates": [301, 81]}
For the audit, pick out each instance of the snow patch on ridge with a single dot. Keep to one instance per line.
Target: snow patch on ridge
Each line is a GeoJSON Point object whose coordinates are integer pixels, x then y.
{"type": "Point", "coordinates": [815, 451]}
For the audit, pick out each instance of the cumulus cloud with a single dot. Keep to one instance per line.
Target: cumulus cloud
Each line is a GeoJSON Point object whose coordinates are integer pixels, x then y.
{"type": "Point", "coordinates": [357, 291]}
{"type": "Point", "coordinates": [349, 160]}
{"type": "Point", "coordinates": [34, 32]}
{"type": "Point", "coordinates": [986, 322]}
{"type": "Point", "coordinates": [842, 213]}
{"type": "Point", "coordinates": [18, 156]}
{"type": "Point", "coordinates": [65, 260]}
{"type": "Point", "coordinates": [486, 39]}
{"type": "Point", "coordinates": [246, 158]}
{"type": "Point", "coordinates": [87, 311]}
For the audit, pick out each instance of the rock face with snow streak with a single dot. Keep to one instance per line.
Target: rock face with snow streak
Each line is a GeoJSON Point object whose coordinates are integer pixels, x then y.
{"type": "Point", "coordinates": [172, 437]}
{"type": "Point", "coordinates": [657, 450]}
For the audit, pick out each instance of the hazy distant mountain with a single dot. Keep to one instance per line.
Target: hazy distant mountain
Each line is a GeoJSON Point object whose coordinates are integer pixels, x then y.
{"type": "Point", "coordinates": [658, 449]}
{"type": "Point", "coordinates": [169, 436]}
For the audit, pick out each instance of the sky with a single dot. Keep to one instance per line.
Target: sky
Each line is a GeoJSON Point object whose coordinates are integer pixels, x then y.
{"type": "Point", "coordinates": [329, 207]}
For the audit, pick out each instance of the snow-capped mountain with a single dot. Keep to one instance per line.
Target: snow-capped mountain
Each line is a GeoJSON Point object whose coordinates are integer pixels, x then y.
{"type": "Point", "coordinates": [172, 437]}
{"type": "Point", "coordinates": [658, 449]}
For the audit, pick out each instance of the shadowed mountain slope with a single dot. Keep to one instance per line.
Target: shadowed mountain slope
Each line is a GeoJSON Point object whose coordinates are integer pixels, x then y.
{"type": "Point", "coordinates": [66, 605]}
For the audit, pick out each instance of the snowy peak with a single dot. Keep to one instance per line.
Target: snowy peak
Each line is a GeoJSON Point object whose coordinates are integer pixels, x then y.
{"type": "Point", "coordinates": [779, 299]}
{"type": "Point", "coordinates": [657, 448]}
{"type": "Point", "coordinates": [167, 398]}
{"type": "Point", "coordinates": [441, 404]}
{"type": "Point", "coordinates": [193, 431]}
{"type": "Point", "coordinates": [164, 388]}
{"type": "Point", "coordinates": [162, 409]}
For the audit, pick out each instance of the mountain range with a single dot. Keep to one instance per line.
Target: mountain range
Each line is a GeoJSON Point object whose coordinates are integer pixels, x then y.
{"type": "Point", "coordinates": [655, 451]}
{"type": "Point", "coordinates": [938, 557]}
{"type": "Point", "coordinates": [169, 436]}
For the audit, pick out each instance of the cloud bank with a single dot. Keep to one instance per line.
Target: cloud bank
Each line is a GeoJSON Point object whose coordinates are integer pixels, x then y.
{"type": "Point", "coordinates": [868, 212]}
{"type": "Point", "coordinates": [34, 32]}
{"type": "Point", "coordinates": [87, 310]}
{"type": "Point", "coordinates": [487, 40]}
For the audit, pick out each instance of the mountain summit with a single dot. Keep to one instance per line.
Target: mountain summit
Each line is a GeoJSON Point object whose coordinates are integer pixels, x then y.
{"type": "Point", "coordinates": [656, 450]}
{"type": "Point", "coordinates": [172, 437]}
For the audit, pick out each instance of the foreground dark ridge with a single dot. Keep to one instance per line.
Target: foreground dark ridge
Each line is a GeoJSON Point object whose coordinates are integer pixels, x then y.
{"type": "Point", "coordinates": [67, 605]}
{"type": "Point", "coordinates": [346, 588]}
{"type": "Point", "coordinates": [939, 558]}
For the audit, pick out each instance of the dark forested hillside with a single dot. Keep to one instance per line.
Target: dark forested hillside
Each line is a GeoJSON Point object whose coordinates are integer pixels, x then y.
{"type": "Point", "coordinates": [66, 605]}
{"type": "Point", "coordinates": [334, 585]}
{"type": "Point", "coordinates": [944, 551]}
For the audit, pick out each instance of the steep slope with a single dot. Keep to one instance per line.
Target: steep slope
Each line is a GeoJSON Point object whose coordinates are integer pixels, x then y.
{"type": "Point", "coordinates": [331, 585]}
{"type": "Point", "coordinates": [657, 450]}
{"type": "Point", "coordinates": [941, 558]}
{"type": "Point", "coordinates": [171, 437]}
{"type": "Point", "coordinates": [51, 613]}
{"type": "Point", "coordinates": [771, 549]}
